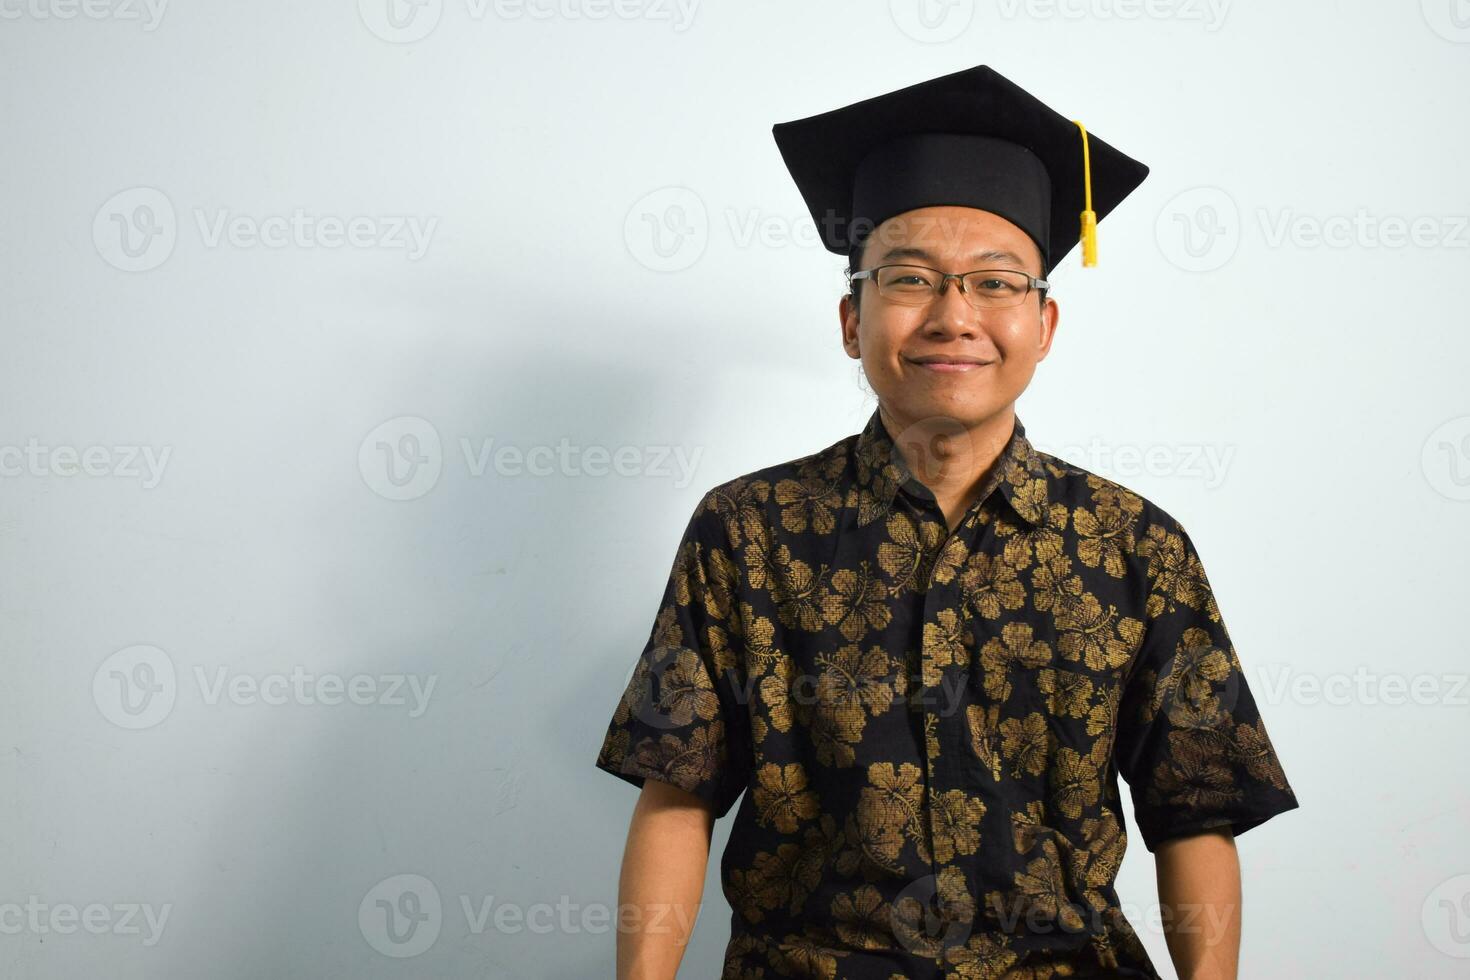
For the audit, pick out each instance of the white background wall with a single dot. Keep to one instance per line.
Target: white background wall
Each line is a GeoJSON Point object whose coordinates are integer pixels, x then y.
{"type": "Point", "coordinates": [1325, 378]}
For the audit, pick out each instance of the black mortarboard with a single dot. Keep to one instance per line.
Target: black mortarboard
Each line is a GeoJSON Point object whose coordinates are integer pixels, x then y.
{"type": "Point", "coordinates": [972, 138]}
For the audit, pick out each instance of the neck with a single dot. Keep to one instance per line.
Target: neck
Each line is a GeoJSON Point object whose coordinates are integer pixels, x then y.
{"type": "Point", "coordinates": [953, 459]}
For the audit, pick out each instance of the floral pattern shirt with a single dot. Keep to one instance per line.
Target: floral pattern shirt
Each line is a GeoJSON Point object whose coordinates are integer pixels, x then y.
{"type": "Point", "coordinates": [927, 725]}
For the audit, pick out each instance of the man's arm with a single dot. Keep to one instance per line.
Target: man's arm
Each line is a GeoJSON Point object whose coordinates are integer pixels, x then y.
{"type": "Point", "coordinates": [662, 880]}
{"type": "Point", "coordinates": [1199, 891]}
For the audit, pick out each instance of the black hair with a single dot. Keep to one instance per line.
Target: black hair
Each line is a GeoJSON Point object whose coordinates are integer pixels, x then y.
{"type": "Point", "coordinates": [854, 263]}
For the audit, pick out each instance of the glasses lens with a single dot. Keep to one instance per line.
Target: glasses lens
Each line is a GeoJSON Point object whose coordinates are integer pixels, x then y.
{"type": "Point", "coordinates": [913, 285]}
{"type": "Point", "coordinates": [997, 289]}
{"type": "Point", "coordinates": [908, 284]}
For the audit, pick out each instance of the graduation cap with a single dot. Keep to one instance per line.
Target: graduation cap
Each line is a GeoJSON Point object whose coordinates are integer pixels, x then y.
{"type": "Point", "coordinates": [973, 138]}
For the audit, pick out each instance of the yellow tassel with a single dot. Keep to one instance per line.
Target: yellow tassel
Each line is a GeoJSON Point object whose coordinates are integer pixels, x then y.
{"type": "Point", "coordinates": [1089, 238]}
{"type": "Point", "coordinates": [1089, 217]}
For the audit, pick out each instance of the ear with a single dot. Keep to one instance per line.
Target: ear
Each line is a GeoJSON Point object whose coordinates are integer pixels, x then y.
{"type": "Point", "coordinates": [847, 317]}
{"type": "Point", "coordinates": [1051, 315]}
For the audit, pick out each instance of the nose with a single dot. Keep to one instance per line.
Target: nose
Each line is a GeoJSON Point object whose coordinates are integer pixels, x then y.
{"type": "Point", "coordinates": [951, 315]}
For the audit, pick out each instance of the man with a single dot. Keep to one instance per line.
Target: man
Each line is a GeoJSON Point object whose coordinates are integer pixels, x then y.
{"type": "Point", "coordinates": [925, 653]}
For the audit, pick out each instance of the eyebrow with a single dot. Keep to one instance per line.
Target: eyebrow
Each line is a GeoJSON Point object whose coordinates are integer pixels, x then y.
{"type": "Point", "coordinates": [910, 252]}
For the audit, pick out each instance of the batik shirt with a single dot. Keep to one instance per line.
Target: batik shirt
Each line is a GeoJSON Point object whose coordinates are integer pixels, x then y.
{"type": "Point", "coordinates": [927, 725]}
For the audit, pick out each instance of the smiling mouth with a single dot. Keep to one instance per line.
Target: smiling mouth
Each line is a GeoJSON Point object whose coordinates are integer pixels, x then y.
{"type": "Point", "coordinates": [949, 366]}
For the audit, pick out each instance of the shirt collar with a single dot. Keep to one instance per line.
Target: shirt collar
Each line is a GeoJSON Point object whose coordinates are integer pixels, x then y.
{"type": "Point", "coordinates": [881, 471]}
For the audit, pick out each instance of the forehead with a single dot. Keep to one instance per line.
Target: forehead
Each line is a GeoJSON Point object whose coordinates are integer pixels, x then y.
{"type": "Point", "coordinates": [951, 234]}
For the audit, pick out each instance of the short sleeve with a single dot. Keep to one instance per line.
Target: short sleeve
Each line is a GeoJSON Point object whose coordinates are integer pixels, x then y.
{"type": "Point", "coordinates": [682, 719]}
{"type": "Point", "coordinates": [1191, 744]}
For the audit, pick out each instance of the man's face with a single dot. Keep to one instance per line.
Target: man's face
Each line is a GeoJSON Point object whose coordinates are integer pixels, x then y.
{"type": "Point", "coordinates": [947, 358]}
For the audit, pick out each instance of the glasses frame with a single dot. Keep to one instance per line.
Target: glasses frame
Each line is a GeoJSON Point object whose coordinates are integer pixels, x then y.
{"type": "Point", "coordinates": [1041, 285]}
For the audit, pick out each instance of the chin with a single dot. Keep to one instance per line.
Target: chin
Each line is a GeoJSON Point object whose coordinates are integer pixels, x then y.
{"type": "Point", "coordinates": [968, 411]}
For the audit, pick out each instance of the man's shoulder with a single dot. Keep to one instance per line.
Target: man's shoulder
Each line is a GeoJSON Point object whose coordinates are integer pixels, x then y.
{"type": "Point", "coordinates": [828, 463]}
{"type": "Point", "coordinates": [741, 497]}
{"type": "Point", "coordinates": [1096, 496]}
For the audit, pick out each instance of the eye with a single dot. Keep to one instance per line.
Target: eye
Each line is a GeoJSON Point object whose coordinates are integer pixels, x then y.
{"type": "Point", "coordinates": [906, 278]}
{"type": "Point", "coordinates": [998, 284]}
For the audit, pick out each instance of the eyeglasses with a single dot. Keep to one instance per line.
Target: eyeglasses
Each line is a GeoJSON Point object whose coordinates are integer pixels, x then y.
{"type": "Point", "coordinates": [918, 285]}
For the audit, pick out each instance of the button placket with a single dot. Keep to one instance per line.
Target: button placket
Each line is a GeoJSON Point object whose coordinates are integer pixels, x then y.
{"type": "Point", "coordinates": [946, 772]}
{"type": "Point", "coordinates": [981, 776]}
